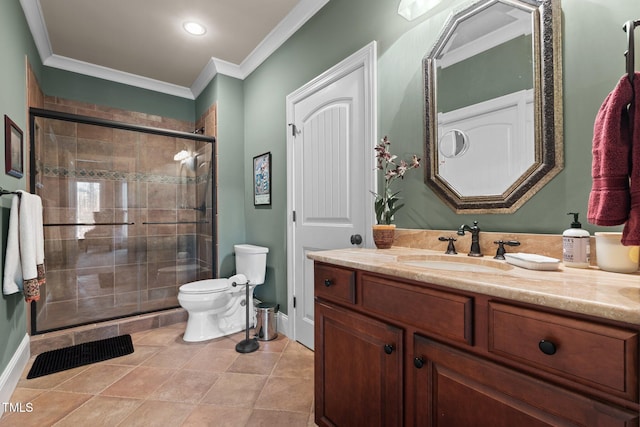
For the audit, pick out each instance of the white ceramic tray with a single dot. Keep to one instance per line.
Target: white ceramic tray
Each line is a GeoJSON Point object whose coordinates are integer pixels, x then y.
{"type": "Point", "coordinates": [532, 261]}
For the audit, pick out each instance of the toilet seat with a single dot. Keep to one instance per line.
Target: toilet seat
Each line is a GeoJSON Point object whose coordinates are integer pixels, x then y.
{"type": "Point", "coordinates": [207, 286]}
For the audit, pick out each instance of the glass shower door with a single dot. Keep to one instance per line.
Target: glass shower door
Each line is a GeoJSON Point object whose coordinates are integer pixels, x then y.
{"type": "Point", "coordinates": [128, 218]}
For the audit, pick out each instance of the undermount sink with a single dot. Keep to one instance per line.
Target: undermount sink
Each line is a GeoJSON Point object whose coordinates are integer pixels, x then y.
{"type": "Point", "coordinates": [456, 263]}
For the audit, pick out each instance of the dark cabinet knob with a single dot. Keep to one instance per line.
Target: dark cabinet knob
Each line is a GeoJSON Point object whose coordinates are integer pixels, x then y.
{"type": "Point", "coordinates": [388, 348]}
{"type": "Point", "coordinates": [328, 282]}
{"type": "Point", "coordinates": [356, 239]}
{"type": "Point", "coordinates": [547, 347]}
{"type": "Point", "coordinates": [418, 362]}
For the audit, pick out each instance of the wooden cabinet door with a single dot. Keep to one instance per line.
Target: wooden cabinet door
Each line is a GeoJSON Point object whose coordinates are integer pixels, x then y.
{"type": "Point", "coordinates": [459, 390]}
{"type": "Point", "coordinates": [358, 370]}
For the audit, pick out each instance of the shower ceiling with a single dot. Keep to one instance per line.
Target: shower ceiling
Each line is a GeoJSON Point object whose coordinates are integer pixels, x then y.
{"type": "Point", "coordinates": [143, 43]}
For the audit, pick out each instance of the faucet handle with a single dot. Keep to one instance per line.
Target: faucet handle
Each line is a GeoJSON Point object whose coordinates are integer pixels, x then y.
{"type": "Point", "coordinates": [501, 251]}
{"type": "Point", "coordinates": [451, 249]}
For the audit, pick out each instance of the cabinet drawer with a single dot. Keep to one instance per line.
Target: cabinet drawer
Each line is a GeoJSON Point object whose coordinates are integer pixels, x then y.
{"type": "Point", "coordinates": [334, 283]}
{"type": "Point", "coordinates": [600, 356]}
{"type": "Point", "coordinates": [442, 313]}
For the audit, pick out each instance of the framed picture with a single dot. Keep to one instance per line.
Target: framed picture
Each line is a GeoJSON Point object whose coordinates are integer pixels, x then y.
{"type": "Point", "coordinates": [262, 179]}
{"type": "Point", "coordinates": [13, 155]}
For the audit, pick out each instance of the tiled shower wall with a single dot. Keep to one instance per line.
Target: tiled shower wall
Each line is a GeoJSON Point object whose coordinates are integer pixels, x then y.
{"type": "Point", "coordinates": [100, 272]}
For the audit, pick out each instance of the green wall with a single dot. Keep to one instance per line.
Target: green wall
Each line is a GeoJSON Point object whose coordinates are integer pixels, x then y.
{"type": "Point", "coordinates": [341, 28]}
{"type": "Point", "coordinates": [15, 43]}
{"type": "Point", "coordinates": [228, 93]}
{"type": "Point", "coordinates": [65, 84]}
{"type": "Point", "coordinates": [593, 46]}
{"type": "Point", "coordinates": [593, 61]}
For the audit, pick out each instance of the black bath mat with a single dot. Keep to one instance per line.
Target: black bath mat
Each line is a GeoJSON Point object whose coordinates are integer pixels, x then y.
{"type": "Point", "coordinates": [62, 359]}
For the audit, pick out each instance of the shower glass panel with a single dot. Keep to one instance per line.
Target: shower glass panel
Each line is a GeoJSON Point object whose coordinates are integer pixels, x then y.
{"type": "Point", "coordinates": [128, 214]}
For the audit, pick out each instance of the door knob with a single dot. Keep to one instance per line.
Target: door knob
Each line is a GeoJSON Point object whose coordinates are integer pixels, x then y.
{"type": "Point", "coordinates": [356, 239]}
{"type": "Point", "coordinates": [388, 348]}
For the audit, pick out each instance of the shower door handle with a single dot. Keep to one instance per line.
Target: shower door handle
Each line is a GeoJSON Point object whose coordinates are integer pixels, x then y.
{"type": "Point", "coordinates": [86, 224]}
{"type": "Point", "coordinates": [356, 239]}
{"type": "Point", "coordinates": [204, 221]}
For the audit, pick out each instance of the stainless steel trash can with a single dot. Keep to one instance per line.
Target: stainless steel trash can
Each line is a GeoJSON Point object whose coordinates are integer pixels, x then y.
{"type": "Point", "coordinates": [266, 323]}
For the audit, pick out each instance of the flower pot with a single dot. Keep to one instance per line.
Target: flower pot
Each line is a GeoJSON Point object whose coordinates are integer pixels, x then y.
{"type": "Point", "coordinates": [383, 235]}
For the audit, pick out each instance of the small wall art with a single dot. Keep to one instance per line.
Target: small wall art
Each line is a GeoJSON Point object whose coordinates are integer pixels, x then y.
{"type": "Point", "coordinates": [13, 154]}
{"type": "Point", "coordinates": [262, 179]}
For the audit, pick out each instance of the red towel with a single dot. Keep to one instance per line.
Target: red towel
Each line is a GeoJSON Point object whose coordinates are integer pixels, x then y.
{"type": "Point", "coordinates": [631, 231]}
{"type": "Point", "coordinates": [609, 199]}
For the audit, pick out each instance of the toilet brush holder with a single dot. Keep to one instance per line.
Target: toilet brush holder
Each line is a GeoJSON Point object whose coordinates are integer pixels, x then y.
{"type": "Point", "coordinates": [247, 345]}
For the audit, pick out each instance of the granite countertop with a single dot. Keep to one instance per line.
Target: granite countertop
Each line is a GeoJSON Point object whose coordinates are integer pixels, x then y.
{"type": "Point", "coordinates": [588, 291]}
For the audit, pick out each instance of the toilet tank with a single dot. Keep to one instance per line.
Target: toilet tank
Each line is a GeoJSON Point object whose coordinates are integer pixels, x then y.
{"type": "Point", "coordinates": [252, 262]}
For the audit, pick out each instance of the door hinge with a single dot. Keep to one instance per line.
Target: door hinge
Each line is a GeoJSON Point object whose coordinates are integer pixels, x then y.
{"type": "Point", "coordinates": [294, 302]}
{"type": "Point", "coordinates": [294, 216]}
{"type": "Point", "coordinates": [294, 129]}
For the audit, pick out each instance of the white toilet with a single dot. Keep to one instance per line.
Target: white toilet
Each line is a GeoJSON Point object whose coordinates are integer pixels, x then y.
{"type": "Point", "coordinates": [217, 308]}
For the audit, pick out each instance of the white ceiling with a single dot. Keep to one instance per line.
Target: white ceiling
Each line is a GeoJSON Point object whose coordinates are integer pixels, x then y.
{"type": "Point", "coordinates": [142, 43]}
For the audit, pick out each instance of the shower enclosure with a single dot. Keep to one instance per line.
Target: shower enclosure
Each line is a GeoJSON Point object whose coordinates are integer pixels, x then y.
{"type": "Point", "coordinates": [129, 216]}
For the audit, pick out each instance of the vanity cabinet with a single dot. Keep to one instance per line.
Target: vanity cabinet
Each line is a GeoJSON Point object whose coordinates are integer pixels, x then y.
{"type": "Point", "coordinates": [358, 363]}
{"type": "Point", "coordinates": [395, 352]}
{"type": "Point", "coordinates": [360, 372]}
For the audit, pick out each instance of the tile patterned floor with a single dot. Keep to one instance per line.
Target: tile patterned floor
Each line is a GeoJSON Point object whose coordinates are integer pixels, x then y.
{"type": "Point", "coordinates": [168, 382]}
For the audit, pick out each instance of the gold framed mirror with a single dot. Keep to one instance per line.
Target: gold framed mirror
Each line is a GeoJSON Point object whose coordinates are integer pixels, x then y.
{"type": "Point", "coordinates": [493, 105]}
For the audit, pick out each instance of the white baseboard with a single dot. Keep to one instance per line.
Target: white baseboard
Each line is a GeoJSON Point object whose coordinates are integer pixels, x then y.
{"type": "Point", "coordinates": [283, 325]}
{"type": "Point", "coordinates": [12, 373]}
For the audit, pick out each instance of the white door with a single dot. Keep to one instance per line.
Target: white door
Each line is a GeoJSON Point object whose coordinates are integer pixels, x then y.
{"type": "Point", "coordinates": [330, 171]}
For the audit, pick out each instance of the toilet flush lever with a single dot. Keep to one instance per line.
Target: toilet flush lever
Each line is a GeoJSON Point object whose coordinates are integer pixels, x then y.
{"type": "Point", "coordinates": [238, 279]}
{"type": "Point", "coordinates": [234, 284]}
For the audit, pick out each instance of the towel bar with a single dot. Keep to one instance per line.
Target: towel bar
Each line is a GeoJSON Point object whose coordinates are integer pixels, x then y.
{"type": "Point", "coordinates": [4, 192]}
{"type": "Point", "coordinates": [629, 54]}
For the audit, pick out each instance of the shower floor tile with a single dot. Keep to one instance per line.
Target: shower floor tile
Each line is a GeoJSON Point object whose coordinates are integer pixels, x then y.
{"type": "Point", "coordinates": [169, 382]}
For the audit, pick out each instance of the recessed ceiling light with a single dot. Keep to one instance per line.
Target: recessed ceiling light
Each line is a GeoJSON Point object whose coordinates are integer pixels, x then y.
{"type": "Point", "coordinates": [194, 28]}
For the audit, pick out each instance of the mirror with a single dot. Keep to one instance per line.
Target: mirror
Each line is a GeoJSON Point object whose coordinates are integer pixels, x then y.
{"type": "Point", "coordinates": [493, 103]}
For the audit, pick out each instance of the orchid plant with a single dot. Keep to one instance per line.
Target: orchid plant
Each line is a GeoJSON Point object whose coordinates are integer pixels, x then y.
{"type": "Point", "coordinates": [386, 204]}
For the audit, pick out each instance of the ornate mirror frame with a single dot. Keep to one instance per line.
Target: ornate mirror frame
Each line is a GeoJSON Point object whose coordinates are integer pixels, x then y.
{"type": "Point", "coordinates": [548, 114]}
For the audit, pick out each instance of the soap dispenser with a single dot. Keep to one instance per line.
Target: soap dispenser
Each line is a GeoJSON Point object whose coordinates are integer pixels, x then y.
{"type": "Point", "coordinates": [576, 248]}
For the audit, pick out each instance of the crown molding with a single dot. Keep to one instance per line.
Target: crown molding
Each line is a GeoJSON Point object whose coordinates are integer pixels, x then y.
{"type": "Point", "coordinates": [291, 23]}
{"type": "Point", "coordinates": [300, 14]}
{"type": "Point", "coordinates": [35, 20]}
{"type": "Point", "coordinates": [105, 73]}
{"type": "Point", "coordinates": [213, 67]}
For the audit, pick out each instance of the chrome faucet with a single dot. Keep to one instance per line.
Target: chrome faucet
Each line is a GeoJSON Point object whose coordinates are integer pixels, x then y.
{"type": "Point", "coordinates": [475, 238]}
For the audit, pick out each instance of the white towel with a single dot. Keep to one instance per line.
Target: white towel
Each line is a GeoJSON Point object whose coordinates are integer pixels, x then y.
{"type": "Point", "coordinates": [31, 245]}
{"type": "Point", "coordinates": [24, 264]}
{"type": "Point", "coordinates": [12, 282]}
